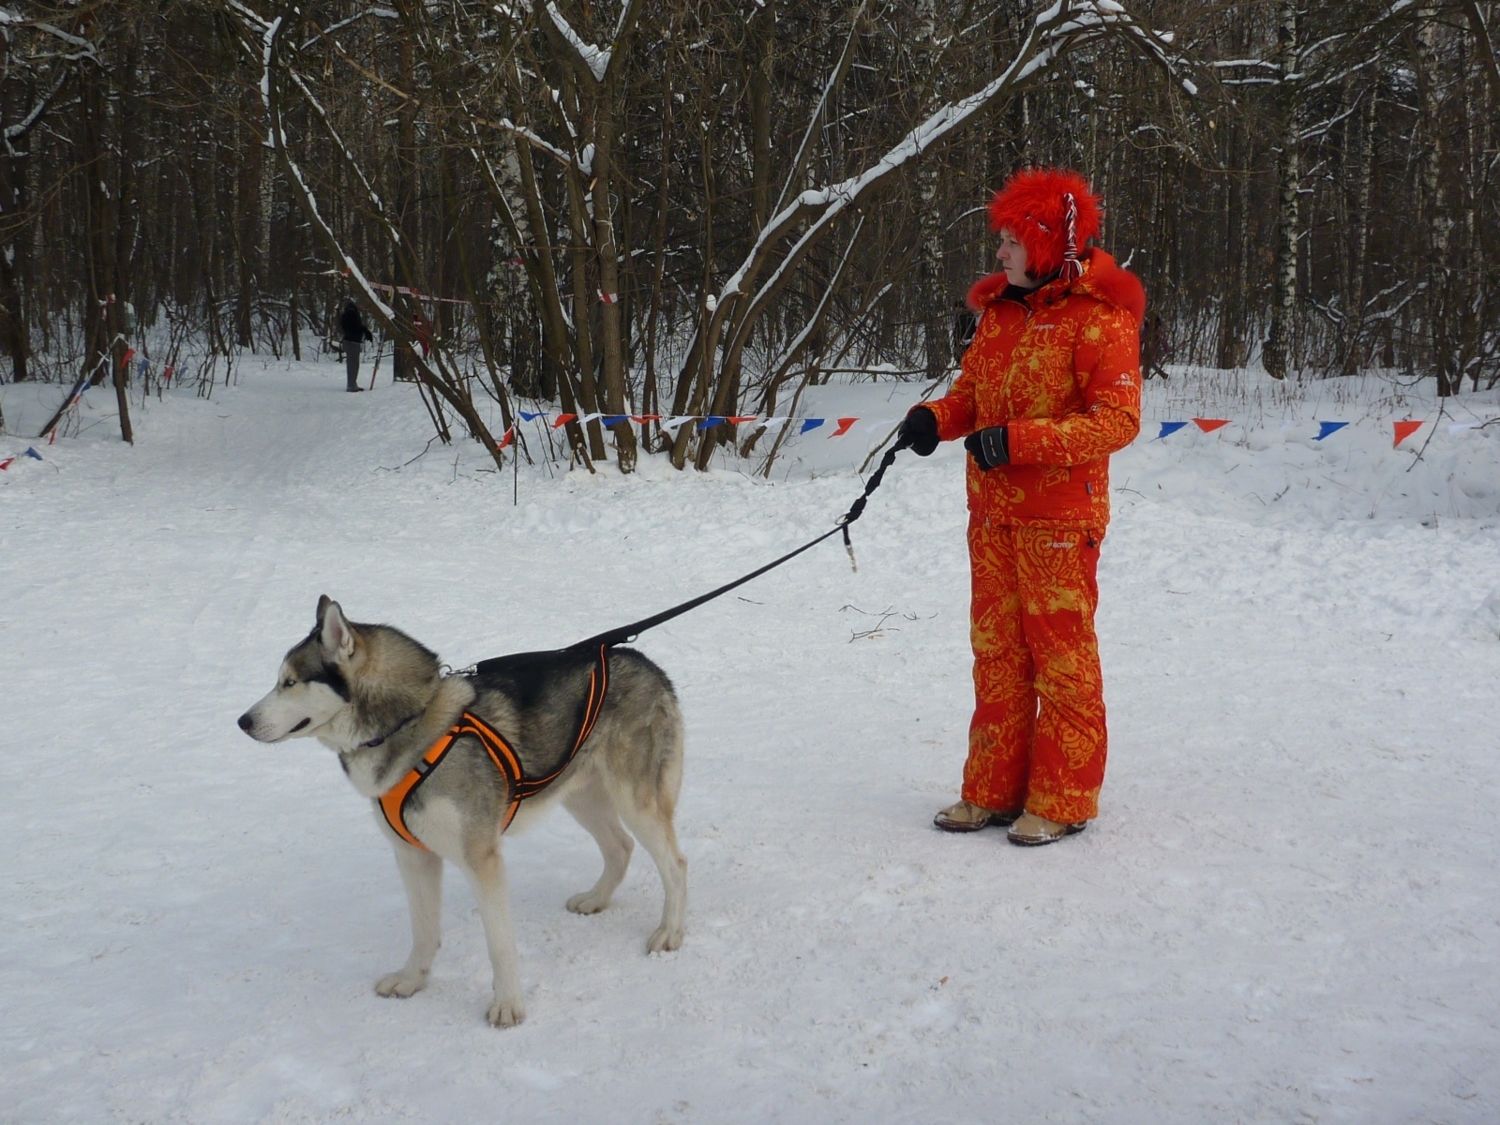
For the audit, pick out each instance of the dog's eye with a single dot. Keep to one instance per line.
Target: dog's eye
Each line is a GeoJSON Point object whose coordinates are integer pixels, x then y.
{"type": "Point", "coordinates": [289, 682]}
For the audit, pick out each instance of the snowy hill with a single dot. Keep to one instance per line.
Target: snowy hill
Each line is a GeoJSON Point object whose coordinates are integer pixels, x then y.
{"type": "Point", "coordinates": [1287, 910]}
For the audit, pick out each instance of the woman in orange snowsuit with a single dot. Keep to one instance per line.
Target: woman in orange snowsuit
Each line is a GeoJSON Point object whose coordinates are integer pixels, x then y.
{"type": "Point", "coordinates": [1050, 387]}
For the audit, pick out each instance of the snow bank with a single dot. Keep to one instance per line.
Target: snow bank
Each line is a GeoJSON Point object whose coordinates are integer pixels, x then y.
{"type": "Point", "coordinates": [1286, 911]}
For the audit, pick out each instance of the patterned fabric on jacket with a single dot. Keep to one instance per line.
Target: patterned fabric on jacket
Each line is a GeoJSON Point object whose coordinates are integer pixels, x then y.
{"type": "Point", "coordinates": [1060, 366]}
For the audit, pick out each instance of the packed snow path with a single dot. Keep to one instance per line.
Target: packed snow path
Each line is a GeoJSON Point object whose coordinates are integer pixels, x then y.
{"type": "Point", "coordinates": [1286, 912]}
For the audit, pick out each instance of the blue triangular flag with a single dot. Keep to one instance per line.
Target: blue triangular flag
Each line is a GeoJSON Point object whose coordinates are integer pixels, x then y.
{"type": "Point", "coordinates": [1326, 428]}
{"type": "Point", "coordinates": [1169, 428]}
{"type": "Point", "coordinates": [33, 453]}
{"type": "Point", "coordinates": [532, 417]}
{"type": "Point", "coordinates": [614, 419]}
{"type": "Point", "coordinates": [810, 424]}
{"type": "Point", "coordinates": [710, 422]}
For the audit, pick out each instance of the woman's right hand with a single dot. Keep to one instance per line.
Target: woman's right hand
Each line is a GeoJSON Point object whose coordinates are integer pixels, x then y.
{"type": "Point", "coordinates": [918, 432]}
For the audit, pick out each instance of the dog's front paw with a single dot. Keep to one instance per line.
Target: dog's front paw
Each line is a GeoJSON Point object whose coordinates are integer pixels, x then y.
{"type": "Point", "coordinates": [666, 939]}
{"type": "Point", "coordinates": [587, 902]}
{"type": "Point", "coordinates": [506, 1013]}
{"type": "Point", "coordinates": [402, 984]}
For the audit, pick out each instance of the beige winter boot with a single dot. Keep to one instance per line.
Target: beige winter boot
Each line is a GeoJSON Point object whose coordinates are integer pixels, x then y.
{"type": "Point", "coordinates": [1030, 830]}
{"type": "Point", "coordinates": [966, 817]}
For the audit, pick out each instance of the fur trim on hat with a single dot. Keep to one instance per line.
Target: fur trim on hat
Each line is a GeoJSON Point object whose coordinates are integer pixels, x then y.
{"type": "Point", "coordinates": [1033, 206]}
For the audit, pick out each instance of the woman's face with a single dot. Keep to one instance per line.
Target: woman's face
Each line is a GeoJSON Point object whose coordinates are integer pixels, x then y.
{"type": "Point", "coordinates": [1012, 259]}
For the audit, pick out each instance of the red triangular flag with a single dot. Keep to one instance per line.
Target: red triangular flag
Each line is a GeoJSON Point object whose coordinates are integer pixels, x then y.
{"type": "Point", "coordinates": [1404, 430]}
{"type": "Point", "coordinates": [1209, 425]}
{"type": "Point", "coordinates": [844, 424]}
{"type": "Point", "coordinates": [563, 420]}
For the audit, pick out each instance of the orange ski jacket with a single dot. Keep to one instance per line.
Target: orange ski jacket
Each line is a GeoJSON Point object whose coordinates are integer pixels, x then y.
{"type": "Point", "coordinates": [1059, 366]}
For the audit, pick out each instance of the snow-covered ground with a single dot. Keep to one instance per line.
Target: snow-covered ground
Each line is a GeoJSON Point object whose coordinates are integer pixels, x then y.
{"type": "Point", "coordinates": [1286, 912]}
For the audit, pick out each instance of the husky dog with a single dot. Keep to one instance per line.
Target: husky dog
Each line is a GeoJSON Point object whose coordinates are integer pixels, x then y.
{"type": "Point", "coordinates": [380, 700]}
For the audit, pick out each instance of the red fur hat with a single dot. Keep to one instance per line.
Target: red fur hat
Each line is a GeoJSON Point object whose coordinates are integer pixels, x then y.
{"type": "Point", "coordinates": [1052, 213]}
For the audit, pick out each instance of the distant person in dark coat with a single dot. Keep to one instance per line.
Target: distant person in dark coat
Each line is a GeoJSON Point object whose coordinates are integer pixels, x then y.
{"type": "Point", "coordinates": [355, 333]}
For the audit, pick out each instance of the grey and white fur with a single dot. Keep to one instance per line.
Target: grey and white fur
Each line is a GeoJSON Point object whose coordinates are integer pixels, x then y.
{"type": "Point", "coordinates": [380, 699]}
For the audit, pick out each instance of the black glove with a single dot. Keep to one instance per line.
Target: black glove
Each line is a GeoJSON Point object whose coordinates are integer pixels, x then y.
{"type": "Point", "coordinates": [918, 432]}
{"type": "Point", "coordinates": [989, 447]}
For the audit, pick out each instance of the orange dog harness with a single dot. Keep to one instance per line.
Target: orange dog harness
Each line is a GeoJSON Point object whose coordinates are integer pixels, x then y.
{"type": "Point", "coordinates": [517, 785]}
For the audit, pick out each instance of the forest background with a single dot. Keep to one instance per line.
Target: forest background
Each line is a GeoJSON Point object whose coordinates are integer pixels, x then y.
{"type": "Point", "coordinates": [644, 210]}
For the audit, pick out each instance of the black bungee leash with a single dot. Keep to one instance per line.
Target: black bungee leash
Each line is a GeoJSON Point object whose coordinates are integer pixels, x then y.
{"type": "Point", "coordinates": [627, 633]}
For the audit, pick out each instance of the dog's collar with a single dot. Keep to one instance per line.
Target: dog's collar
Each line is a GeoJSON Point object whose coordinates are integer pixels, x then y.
{"type": "Point", "coordinates": [374, 742]}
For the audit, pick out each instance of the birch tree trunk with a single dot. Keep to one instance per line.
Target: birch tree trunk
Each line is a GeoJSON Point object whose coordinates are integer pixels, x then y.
{"type": "Point", "coordinates": [1435, 270]}
{"type": "Point", "coordinates": [1280, 340]}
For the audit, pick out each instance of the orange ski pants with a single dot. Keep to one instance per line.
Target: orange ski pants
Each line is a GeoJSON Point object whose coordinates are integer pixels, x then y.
{"type": "Point", "coordinates": [1037, 739]}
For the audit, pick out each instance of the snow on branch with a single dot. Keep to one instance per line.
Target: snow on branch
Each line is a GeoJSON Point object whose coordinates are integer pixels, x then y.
{"type": "Point", "coordinates": [23, 126]}
{"type": "Point", "coordinates": [534, 139]}
{"type": "Point", "coordinates": [835, 76]}
{"type": "Point", "coordinates": [595, 58]}
{"type": "Point", "coordinates": [1056, 31]}
{"type": "Point", "coordinates": [9, 18]}
{"type": "Point", "coordinates": [333, 28]}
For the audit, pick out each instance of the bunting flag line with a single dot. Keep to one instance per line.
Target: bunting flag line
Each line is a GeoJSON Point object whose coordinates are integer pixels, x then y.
{"type": "Point", "coordinates": [1326, 428]}
{"type": "Point", "coordinates": [845, 425]}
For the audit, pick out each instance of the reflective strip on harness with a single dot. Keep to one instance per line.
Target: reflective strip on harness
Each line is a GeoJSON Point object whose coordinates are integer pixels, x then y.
{"type": "Point", "coordinates": [517, 785]}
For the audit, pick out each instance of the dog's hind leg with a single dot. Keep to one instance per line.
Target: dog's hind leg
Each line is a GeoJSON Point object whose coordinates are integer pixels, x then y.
{"type": "Point", "coordinates": [593, 809]}
{"type": "Point", "coordinates": [422, 873]}
{"type": "Point", "coordinates": [486, 871]}
{"type": "Point", "coordinates": [651, 821]}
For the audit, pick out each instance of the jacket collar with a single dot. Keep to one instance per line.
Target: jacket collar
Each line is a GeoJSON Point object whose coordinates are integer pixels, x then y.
{"type": "Point", "coordinates": [1101, 279]}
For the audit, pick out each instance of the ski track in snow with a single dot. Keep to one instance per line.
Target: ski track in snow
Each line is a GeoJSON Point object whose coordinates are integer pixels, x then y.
{"type": "Point", "coordinates": [1287, 911]}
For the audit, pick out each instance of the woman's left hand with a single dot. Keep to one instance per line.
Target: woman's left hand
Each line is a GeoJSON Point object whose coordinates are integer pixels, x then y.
{"type": "Point", "coordinates": [989, 447]}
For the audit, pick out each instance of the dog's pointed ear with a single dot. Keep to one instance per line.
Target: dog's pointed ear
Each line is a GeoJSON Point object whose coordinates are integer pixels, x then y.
{"type": "Point", "coordinates": [335, 634]}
